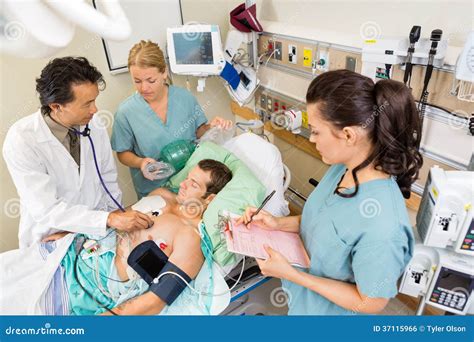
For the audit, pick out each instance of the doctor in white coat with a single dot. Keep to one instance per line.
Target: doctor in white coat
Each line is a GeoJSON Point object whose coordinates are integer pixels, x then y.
{"type": "Point", "coordinates": [53, 168]}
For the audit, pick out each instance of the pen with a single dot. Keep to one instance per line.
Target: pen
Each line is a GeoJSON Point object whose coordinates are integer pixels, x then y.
{"type": "Point", "coordinates": [262, 205]}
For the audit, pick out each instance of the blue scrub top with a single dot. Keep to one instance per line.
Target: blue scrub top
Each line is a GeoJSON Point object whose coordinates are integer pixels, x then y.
{"type": "Point", "coordinates": [365, 240]}
{"type": "Point", "coordinates": [138, 129]}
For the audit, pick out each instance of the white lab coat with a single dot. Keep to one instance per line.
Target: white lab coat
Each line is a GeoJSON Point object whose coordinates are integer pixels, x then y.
{"type": "Point", "coordinates": [26, 276]}
{"type": "Point", "coordinates": [54, 196]}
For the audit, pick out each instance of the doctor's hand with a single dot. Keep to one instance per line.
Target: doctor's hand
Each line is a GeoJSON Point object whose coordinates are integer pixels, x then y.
{"type": "Point", "coordinates": [143, 164]}
{"type": "Point", "coordinates": [276, 265]}
{"type": "Point", "coordinates": [220, 122]}
{"type": "Point", "coordinates": [54, 237]}
{"type": "Point", "coordinates": [129, 221]}
{"type": "Point", "coordinates": [263, 219]}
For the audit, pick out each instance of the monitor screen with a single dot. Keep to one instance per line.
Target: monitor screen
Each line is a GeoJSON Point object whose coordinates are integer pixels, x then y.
{"type": "Point", "coordinates": [193, 48]}
{"type": "Point", "coordinates": [245, 80]}
{"type": "Point", "coordinates": [452, 280]}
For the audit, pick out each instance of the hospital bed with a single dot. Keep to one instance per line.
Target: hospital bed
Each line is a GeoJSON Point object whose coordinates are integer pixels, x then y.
{"type": "Point", "coordinates": [264, 159]}
{"type": "Point", "coordinates": [29, 272]}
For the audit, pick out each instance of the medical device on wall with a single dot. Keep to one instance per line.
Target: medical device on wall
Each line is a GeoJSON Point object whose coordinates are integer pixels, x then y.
{"type": "Point", "coordinates": [445, 218]}
{"type": "Point", "coordinates": [240, 72]}
{"type": "Point", "coordinates": [291, 120]}
{"type": "Point", "coordinates": [195, 50]}
{"type": "Point", "coordinates": [377, 54]}
{"type": "Point", "coordinates": [464, 83]}
{"type": "Point", "coordinates": [442, 278]}
{"type": "Point", "coordinates": [36, 29]}
{"type": "Point", "coordinates": [233, 44]}
{"type": "Point", "coordinates": [442, 268]}
{"type": "Point", "coordinates": [247, 85]}
{"type": "Point", "coordinates": [434, 38]}
{"type": "Point", "coordinates": [413, 38]}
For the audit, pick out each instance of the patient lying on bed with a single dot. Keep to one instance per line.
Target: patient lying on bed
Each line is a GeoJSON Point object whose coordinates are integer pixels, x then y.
{"type": "Point", "coordinates": [108, 282]}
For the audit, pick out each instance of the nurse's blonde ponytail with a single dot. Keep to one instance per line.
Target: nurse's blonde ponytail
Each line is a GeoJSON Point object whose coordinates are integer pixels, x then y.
{"type": "Point", "coordinates": [146, 54]}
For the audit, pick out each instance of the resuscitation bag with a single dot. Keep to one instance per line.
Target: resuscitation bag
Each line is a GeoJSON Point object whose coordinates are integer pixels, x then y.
{"type": "Point", "coordinates": [177, 153]}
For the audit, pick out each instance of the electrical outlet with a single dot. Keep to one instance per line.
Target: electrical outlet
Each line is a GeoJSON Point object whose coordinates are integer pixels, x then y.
{"type": "Point", "coordinates": [323, 62]}
{"type": "Point", "coordinates": [270, 46]}
{"type": "Point", "coordinates": [263, 101]}
{"type": "Point", "coordinates": [277, 54]}
{"type": "Point", "coordinates": [269, 103]}
{"type": "Point", "coordinates": [262, 114]}
{"type": "Point", "coordinates": [350, 63]}
{"type": "Point", "coordinates": [307, 57]}
{"type": "Point", "coordinates": [304, 119]}
{"type": "Point", "coordinates": [292, 54]}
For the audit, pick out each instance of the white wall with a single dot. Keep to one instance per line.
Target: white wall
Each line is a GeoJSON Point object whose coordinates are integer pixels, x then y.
{"type": "Point", "coordinates": [389, 18]}
{"type": "Point", "coordinates": [18, 99]}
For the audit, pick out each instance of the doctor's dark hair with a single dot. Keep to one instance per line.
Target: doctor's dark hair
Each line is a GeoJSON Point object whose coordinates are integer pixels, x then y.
{"type": "Point", "coordinates": [220, 175]}
{"type": "Point", "coordinates": [386, 110]}
{"type": "Point", "coordinates": [55, 82]}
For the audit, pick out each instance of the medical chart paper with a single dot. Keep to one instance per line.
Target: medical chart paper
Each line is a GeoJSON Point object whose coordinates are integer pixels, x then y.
{"type": "Point", "coordinates": [250, 242]}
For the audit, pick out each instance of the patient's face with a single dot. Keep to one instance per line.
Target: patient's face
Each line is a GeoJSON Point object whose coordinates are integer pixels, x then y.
{"type": "Point", "coordinates": [194, 186]}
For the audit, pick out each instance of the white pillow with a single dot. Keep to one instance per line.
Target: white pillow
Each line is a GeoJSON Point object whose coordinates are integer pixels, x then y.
{"type": "Point", "coordinates": [264, 160]}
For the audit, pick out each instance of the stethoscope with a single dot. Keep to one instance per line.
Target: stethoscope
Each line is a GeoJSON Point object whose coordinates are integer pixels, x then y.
{"type": "Point", "coordinates": [87, 133]}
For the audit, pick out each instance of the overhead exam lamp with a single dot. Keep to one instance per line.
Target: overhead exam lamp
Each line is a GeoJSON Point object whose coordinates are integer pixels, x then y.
{"type": "Point", "coordinates": [40, 28]}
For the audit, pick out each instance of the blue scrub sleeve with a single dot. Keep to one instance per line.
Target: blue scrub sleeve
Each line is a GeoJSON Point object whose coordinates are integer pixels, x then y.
{"type": "Point", "coordinates": [377, 267]}
{"type": "Point", "coordinates": [122, 135]}
{"type": "Point", "coordinates": [198, 114]}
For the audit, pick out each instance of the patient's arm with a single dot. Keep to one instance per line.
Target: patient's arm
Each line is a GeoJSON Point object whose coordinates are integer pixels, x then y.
{"type": "Point", "coordinates": [145, 304]}
{"type": "Point", "coordinates": [186, 254]}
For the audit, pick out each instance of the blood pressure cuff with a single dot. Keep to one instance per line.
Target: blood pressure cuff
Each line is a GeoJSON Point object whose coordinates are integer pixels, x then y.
{"type": "Point", "coordinates": [148, 260]}
{"type": "Point", "coordinates": [170, 286]}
